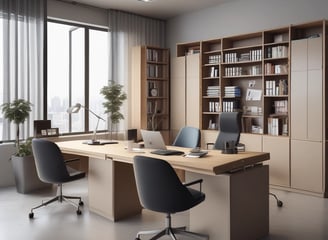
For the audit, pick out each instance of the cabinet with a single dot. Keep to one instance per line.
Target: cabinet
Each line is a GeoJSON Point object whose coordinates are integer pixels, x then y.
{"type": "Point", "coordinates": [307, 113]}
{"type": "Point", "coordinates": [277, 79]}
{"type": "Point", "coordinates": [150, 89]}
{"type": "Point", "coordinates": [185, 89]}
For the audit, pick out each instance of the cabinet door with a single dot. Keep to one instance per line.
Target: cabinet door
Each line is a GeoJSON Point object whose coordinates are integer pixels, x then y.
{"type": "Point", "coordinates": [178, 75]}
{"type": "Point", "coordinates": [315, 107]}
{"type": "Point", "coordinates": [192, 91]}
{"type": "Point", "coordinates": [299, 113]}
{"type": "Point", "coordinates": [279, 168]}
{"type": "Point", "coordinates": [306, 165]}
{"type": "Point", "coordinates": [299, 55]}
{"type": "Point", "coordinates": [253, 142]}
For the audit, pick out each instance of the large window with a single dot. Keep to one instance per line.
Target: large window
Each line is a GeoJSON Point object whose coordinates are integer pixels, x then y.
{"type": "Point", "coordinates": [77, 70]}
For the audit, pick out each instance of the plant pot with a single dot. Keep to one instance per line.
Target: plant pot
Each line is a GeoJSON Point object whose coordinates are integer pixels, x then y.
{"type": "Point", "coordinates": [26, 177]}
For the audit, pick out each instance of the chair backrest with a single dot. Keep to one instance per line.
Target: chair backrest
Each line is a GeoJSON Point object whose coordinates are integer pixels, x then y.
{"type": "Point", "coordinates": [230, 124]}
{"type": "Point", "coordinates": [188, 137]}
{"type": "Point", "coordinates": [50, 164]}
{"type": "Point", "coordinates": [159, 187]}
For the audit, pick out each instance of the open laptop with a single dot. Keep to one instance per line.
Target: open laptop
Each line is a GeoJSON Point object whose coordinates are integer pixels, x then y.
{"type": "Point", "coordinates": [154, 140]}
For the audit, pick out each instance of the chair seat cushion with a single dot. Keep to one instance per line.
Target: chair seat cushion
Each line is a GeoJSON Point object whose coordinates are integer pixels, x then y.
{"type": "Point", "coordinates": [74, 174]}
{"type": "Point", "coordinates": [198, 196]}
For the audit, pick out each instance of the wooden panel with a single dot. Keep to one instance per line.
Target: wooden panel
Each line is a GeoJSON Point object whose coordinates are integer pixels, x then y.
{"type": "Point", "coordinates": [252, 142]}
{"type": "Point", "coordinates": [192, 91]}
{"type": "Point", "coordinates": [299, 55]}
{"type": "Point", "coordinates": [315, 105]}
{"type": "Point", "coordinates": [178, 73]}
{"type": "Point", "coordinates": [299, 105]}
{"type": "Point", "coordinates": [306, 165]}
{"type": "Point", "coordinates": [315, 53]}
{"type": "Point", "coordinates": [278, 147]}
{"type": "Point", "coordinates": [236, 205]}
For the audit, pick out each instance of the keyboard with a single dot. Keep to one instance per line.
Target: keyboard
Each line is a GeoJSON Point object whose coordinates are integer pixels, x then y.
{"type": "Point", "coordinates": [167, 152]}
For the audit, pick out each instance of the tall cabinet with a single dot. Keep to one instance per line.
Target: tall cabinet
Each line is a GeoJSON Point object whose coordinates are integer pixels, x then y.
{"type": "Point", "coordinates": [150, 98]}
{"type": "Point", "coordinates": [307, 110]}
{"type": "Point", "coordinates": [277, 79]}
{"type": "Point", "coordinates": [185, 89]}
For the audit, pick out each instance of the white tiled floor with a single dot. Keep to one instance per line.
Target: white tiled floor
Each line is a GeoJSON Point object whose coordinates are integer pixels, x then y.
{"type": "Point", "coordinates": [302, 217]}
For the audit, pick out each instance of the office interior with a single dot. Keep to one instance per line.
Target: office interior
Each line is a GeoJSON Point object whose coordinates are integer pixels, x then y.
{"type": "Point", "coordinates": [303, 215]}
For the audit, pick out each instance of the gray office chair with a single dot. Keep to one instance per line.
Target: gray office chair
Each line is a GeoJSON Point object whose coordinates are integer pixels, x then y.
{"type": "Point", "coordinates": [160, 190]}
{"type": "Point", "coordinates": [51, 168]}
{"type": "Point", "coordinates": [229, 125]}
{"type": "Point", "coordinates": [188, 137]}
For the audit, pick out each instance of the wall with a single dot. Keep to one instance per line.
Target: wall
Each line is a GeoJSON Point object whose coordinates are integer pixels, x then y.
{"type": "Point", "coordinates": [242, 16]}
{"type": "Point", "coordinates": [77, 13]}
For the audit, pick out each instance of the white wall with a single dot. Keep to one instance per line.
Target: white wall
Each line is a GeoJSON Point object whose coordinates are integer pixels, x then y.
{"type": "Point", "coordinates": [77, 13]}
{"type": "Point", "coordinates": [242, 16]}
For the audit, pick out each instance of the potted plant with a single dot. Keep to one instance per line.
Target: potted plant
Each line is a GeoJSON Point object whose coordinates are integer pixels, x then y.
{"type": "Point", "coordinates": [114, 96]}
{"type": "Point", "coordinates": [23, 163]}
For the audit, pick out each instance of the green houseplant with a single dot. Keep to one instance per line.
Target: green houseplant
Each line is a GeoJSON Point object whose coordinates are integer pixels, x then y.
{"type": "Point", "coordinates": [114, 97]}
{"type": "Point", "coordinates": [23, 163]}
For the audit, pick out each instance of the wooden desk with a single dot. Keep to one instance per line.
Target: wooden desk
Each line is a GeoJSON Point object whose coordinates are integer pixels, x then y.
{"type": "Point", "coordinates": [236, 188]}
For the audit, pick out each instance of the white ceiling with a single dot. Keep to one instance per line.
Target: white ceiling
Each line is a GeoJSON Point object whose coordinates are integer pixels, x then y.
{"type": "Point", "coordinates": [162, 9]}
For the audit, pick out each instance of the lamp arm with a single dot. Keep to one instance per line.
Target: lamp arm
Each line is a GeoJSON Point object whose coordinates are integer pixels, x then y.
{"type": "Point", "coordinates": [94, 114]}
{"type": "Point", "coordinates": [95, 131]}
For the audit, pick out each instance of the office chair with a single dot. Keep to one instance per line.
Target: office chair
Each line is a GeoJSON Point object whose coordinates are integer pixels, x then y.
{"type": "Point", "coordinates": [188, 137]}
{"type": "Point", "coordinates": [160, 190]}
{"type": "Point", "coordinates": [229, 125]}
{"type": "Point", "coordinates": [51, 168]}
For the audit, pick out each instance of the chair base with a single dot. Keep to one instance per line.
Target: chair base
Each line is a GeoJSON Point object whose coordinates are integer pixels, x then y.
{"type": "Point", "coordinates": [60, 198]}
{"type": "Point", "coordinates": [168, 230]}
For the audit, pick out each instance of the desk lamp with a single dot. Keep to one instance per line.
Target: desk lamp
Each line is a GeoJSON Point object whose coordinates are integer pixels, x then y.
{"type": "Point", "coordinates": [75, 109]}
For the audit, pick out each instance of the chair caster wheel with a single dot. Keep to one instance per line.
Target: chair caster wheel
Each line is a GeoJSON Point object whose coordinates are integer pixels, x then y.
{"type": "Point", "coordinates": [137, 238]}
{"type": "Point", "coordinates": [280, 203]}
{"type": "Point", "coordinates": [78, 212]}
{"type": "Point", "coordinates": [81, 203]}
{"type": "Point", "coordinates": [31, 215]}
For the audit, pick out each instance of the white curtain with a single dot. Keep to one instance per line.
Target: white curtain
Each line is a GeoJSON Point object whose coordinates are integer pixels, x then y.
{"type": "Point", "coordinates": [128, 30]}
{"type": "Point", "coordinates": [23, 36]}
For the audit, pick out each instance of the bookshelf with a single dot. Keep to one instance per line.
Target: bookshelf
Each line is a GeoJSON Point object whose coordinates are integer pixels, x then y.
{"type": "Point", "coordinates": [276, 78]}
{"type": "Point", "coordinates": [150, 89]}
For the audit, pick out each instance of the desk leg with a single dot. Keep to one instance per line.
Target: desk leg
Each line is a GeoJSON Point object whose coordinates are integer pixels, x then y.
{"type": "Point", "coordinates": [236, 205]}
{"type": "Point", "coordinates": [112, 189]}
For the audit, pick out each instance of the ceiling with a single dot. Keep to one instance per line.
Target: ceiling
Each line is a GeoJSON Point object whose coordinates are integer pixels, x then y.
{"type": "Point", "coordinates": [162, 9]}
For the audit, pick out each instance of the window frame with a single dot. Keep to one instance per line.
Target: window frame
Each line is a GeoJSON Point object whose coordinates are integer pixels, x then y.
{"type": "Point", "coordinates": [87, 29]}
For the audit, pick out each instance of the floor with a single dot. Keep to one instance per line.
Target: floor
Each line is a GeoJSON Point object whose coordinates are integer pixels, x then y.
{"type": "Point", "coordinates": [302, 217]}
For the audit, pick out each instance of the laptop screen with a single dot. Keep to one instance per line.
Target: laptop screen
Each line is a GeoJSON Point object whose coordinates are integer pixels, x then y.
{"type": "Point", "coordinates": [153, 139]}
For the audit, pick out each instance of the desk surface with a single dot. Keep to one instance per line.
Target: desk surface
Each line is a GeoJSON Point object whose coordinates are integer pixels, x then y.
{"type": "Point", "coordinates": [212, 164]}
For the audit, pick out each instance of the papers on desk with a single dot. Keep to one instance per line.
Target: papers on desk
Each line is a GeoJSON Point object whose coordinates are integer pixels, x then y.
{"type": "Point", "coordinates": [196, 154]}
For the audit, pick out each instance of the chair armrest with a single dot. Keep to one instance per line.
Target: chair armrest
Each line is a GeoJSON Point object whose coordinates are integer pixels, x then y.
{"type": "Point", "coordinates": [71, 160]}
{"type": "Point", "coordinates": [195, 182]}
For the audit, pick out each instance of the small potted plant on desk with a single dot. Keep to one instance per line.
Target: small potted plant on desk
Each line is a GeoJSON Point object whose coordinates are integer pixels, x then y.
{"type": "Point", "coordinates": [23, 163]}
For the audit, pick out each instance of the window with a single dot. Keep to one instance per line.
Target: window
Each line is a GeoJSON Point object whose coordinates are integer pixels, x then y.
{"type": "Point", "coordinates": [77, 70]}
{"type": "Point", "coordinates": [1, 77]}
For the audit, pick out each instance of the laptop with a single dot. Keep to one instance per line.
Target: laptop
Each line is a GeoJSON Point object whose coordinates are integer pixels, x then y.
{"type": "Point", "coordinates": [154, 140]}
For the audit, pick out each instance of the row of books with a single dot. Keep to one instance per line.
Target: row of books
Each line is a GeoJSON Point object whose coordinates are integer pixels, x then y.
{"type": "Point", "coordinates": [280, 107]}
{"type": "Point", "coordinates": [213, 91]}
{"type": "Point", "coordinates": [231, 105]}
{"type": "Point", "coordinates": [214, 59]}
{"type": "Point", "coordinates": [252, 55]}
{"type": "Point", "coordinates": [270, 68]}
{"type": "Point", "coordinates": [239, 71]}
{"type": "Point", "coordinates": [277, 52]}
{"type": "Point", "coordinates": [214, 72]}
{"type": "Point", "coordinates": [276, 87]}
{"type": "Point", "coordinates": [153, 55]}
{"type": "Point", "coordinates": [214, 106]}
{"type": "Point", "coordinates": [277, 126]}
{"type": "Point", "coordinates": [232, 91]}
{"type": "Point", "coordinates": [154, 71]}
